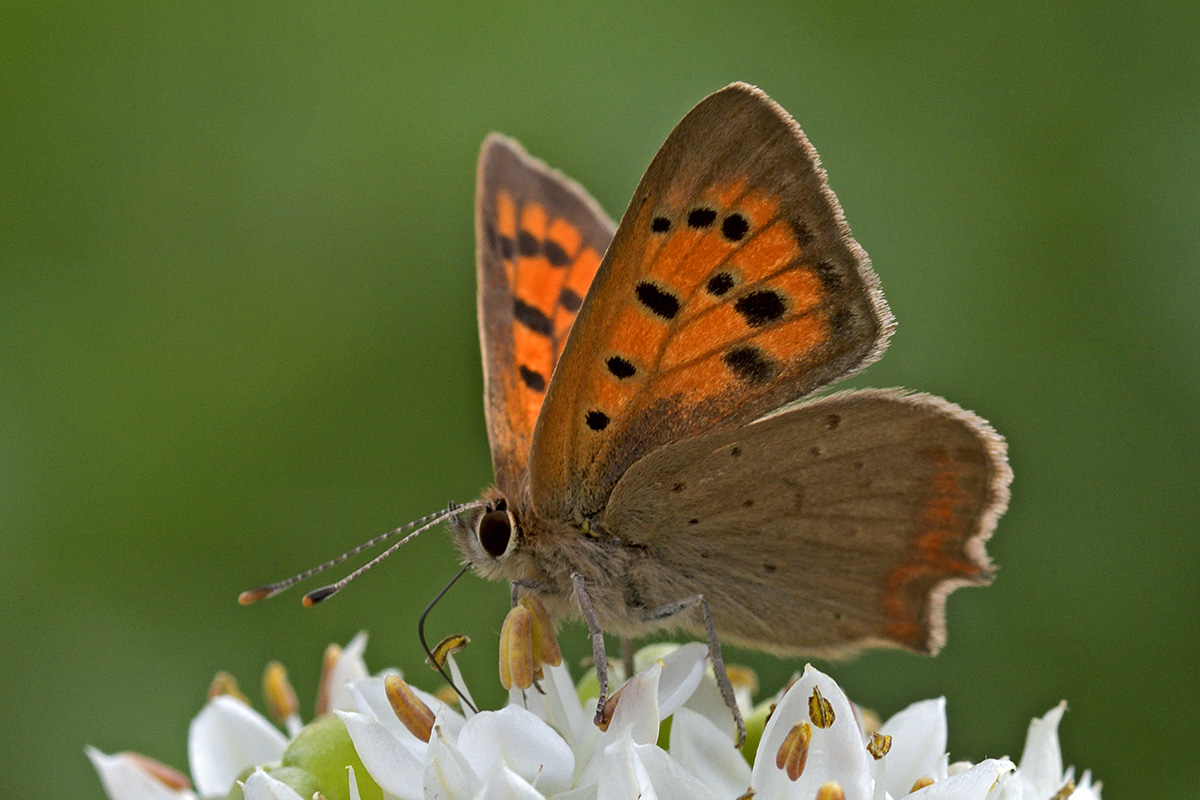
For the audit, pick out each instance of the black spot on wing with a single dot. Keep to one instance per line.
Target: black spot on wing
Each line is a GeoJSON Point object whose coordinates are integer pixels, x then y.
{"type": "Point", "coordinates": [719, 284]}
{"type": "Point", "coordinates": [597, 420]}
{"type": "Point", "coordinates": [734, 227]}
{"type": "Point", "coordinates": [701, 218]}
{"type": "Point", "coordinates": [532, 317]}
{"type": "Point", "coordinates": [506, 246]}
{"type": "Point", "coordinates": [664, 304]}
{"type": "Point", "coordinates": [760, 307]}
{"type": "Point", "coordinates": [532, 378]}
{"type": "Point", "coordinates": [555, 254]}
{"type": "Point", "coordinates": [750, 364]}
{"type": "Point", "coordinates": [528, 244]}
{"type": "Point", "coordinates": [620, 367]}
{"type": "Point", "coordinates": [569, 300]}
{"type": "Point", "coordinates": [660, 225]}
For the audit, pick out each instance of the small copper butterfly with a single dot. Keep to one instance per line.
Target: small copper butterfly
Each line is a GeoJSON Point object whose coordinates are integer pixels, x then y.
{"type": "Point", "coordinates": [653, 465]}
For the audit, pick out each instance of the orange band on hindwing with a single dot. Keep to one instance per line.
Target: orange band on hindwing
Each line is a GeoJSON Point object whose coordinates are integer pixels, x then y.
{"type": "Point", "coordinates": [946, 516]}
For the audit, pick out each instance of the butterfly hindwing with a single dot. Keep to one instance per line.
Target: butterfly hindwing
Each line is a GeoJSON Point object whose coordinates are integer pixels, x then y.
{"type": "Point", "coordinates": [540, 238]}
{"type": "Point", "coordinates": [836, 524]}
{"type": "Point", "coordinates": [732, 287]}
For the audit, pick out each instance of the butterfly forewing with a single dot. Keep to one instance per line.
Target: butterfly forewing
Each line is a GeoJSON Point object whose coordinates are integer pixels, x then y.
{"type": "Point", "coordinates": [837, 524]}
{"type": "Point", "coordinates": [732, 287]}
{"type": "Point", "coordinates": [540, 239]}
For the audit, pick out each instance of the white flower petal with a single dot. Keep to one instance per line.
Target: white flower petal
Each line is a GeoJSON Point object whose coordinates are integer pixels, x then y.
{"type": "Point", "coordinates": [1041, 767]}
{"type": "Point", "coordinates": [353, 783]}
{"type": "Point", "coordinates": [462, 685]}
{"type": "Point", "coordinates": [350, 667]}
{"type": "Point", "coordinates": [522, 741]}
{"type": "Point", "coordinates": [581, 793]}
{"type": "Point", "coordinates": [124, 779]}
{"type": "Point", "coordinates": [615, 772]}
{"type": "Point", "coordinates": [560, 706]}
{"type": "Point", "coordinates": [448, 775]}
{"type": "Point", "coordinates": [974, 784]}
{"type": "Point", "coordinates": [667, 779]}
{"type": "Point", "coordinates": [835, 753]}
{"type": "Point", "coordinates": [394, 768]}
{"type": "Point", "coordinates": [504, 784]}
{"type": "Point", "coordinates": [707, 752]}
{"type": "Point", "coordinates": [708, 702]}
{"type": "Point", "coordinates": [637, 708]}
{"type": "Point", "coordinates": [225, 739]}
{"type": "Point", "coordinates": [261, 786]}
{"type": "Point", "coordinates": [1085, 789]}
{"type": "Point", "coordinates": [918, 742]}
{"type": "Point", "coordinates": [682, 671]}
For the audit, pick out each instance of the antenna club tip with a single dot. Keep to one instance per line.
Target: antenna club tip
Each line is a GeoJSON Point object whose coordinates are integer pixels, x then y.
{"type": "Point", "coordinates": [317, 595]}
{"type": "Point", "coordinates": [253, 595]}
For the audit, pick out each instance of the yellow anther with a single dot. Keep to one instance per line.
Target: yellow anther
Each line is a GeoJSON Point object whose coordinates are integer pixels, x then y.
{"type": "Point", "coordinates": [879, 745]}
{"type": "Point", "coordinates": [446, 648]}
{"type": "Point", "coordinates": [409, 709]}
{"type": "Point", "coordinates": [278, 692]}
{"type": "Point", "coordinates": [820, 710]}
{"type": "Point", "coordinates": [921, 783]}
{"type": "Point", "coordinates": [516, 649]}
{"type": "Point", "coordinates": [748, 795]}
{"type": "Point", "coordinates": [1065, 792]}
{"type": "Point", "coordinates": [742, 677]}
{"type": "Point", "coordinates": [545, 643]}
{"type": "Point", "coordinates": [831, 791]}
{"type": "Point", "coordinates": [793, 753]}
{"type": "Point", "coordinates": [168, 776]}
{"type": "Point", "coordinates": [225, 684]}
{"type": "Point", "coordinates": [333, 654]}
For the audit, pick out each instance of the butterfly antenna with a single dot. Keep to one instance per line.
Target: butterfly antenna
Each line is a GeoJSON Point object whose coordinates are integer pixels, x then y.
{"type": "Point", "coordinates": [437, 663]}
{"type": "Point", "coordinates": [326, 592]}
{"type": "Point", "coordinates": [272, 589]}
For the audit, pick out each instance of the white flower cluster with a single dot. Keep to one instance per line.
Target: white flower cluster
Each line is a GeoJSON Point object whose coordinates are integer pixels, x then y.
{"type": "Point", "coordinates": [543, 744]}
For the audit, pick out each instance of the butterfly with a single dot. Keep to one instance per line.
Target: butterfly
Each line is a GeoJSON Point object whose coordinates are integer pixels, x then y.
{"type": "Point", "coordinates": [654, 452]}
{"type": "Point", "coordinates": [659, 461]}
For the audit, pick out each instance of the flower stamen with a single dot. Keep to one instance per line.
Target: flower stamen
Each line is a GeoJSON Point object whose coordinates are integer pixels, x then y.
{"type": "Point", "coordinates": [412, 712]}
{"type": "Point", "coordinates": [516, 649]}
{"type": "Point", "coordinates": [447, 647]}
{"type": "Point", "coordinates": [545, 643]}
{"type": "Point", "coordinates": [921, 783]}
{"type": "Point", "coordinates": [879, 745]}
{"type": "Point", "coordinates": [333, 654]}
{"type": "Point", "coordinates": [223, 683]}
{"type": "Point", "coordinates": [831, 791]}
{"type": "Point", "coordinates": [793, 753]}
{"type": "Point", "coordinates": [820, 710]}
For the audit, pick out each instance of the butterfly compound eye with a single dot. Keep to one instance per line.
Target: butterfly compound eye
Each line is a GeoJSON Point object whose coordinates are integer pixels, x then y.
{"type": "Point", "coordinates": [495, 532]}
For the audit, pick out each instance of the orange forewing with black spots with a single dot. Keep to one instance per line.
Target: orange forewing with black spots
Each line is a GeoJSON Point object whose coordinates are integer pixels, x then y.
{"type": "Point", "coordinates": [540, 240]}
{"type": "Point", "coordinates": [732, 287]}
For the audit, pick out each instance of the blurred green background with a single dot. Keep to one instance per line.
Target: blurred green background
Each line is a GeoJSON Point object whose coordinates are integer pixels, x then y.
{"type": "Point", "coordinates": [237, 331]}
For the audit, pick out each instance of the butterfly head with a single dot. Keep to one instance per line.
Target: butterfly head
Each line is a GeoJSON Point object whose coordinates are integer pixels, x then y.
{"type": "Point", "coordinates": [491, 538]}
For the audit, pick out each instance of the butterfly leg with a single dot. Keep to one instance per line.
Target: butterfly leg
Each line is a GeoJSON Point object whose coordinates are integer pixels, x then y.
{"type": "Point", "coordinates": [714, 652]}
{"type": "Point", "coordinates": [599, 657]}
